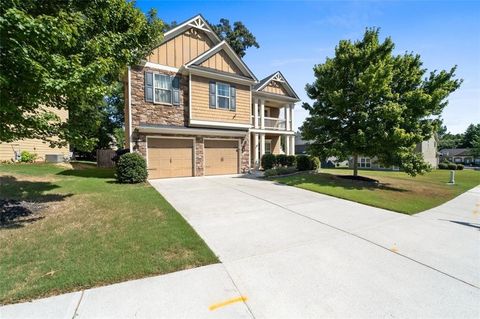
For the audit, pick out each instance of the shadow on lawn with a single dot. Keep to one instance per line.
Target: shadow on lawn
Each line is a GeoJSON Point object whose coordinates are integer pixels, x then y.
{"type": "Point", "coordinates": [325, 179]}
{"type": "Point", "coordinates": [89, 173]}
{"type": "Point", "coordinates": [21, 201]}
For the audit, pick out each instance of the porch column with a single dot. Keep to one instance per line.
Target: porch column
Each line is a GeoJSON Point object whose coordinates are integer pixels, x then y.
{"type": "Point", "coordinates": [255, 150]}
{"type": "Point", "coordinates": [262, 145]}
{"type": "Point", "coordinates": [287, 145]}
{"type": "Point", "coordinates": [287, 117]}
{"type": "Point", "coordinates": [292, 123]}
{"type": "Point", "coordinates": [292, 144]}
{"type": "Point", "coordinates": [262, 114]}
{"type": "Point", "coordinates": [255, 113]}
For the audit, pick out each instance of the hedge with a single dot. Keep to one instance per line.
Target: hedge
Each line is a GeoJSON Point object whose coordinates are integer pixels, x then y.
{"type": "Point", "coordinates": [131, 168]}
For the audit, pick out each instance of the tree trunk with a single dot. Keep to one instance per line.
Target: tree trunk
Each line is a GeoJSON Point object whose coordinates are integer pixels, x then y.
{"type": "Point", "coordinates": [355, 165]}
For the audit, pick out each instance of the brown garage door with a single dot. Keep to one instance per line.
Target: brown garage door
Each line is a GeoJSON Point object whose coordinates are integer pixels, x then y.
{"type": "Point", "coordinates": [221, 157]}
{"type": "Point", "coordinates": [169, 157]}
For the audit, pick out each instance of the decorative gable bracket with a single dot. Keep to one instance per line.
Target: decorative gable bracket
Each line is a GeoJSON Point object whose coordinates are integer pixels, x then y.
{"type": "Point", "coordinates": [198, 23]}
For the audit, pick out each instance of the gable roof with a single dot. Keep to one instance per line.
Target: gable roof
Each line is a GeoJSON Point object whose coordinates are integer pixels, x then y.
{"type": "Point", "coordinates": [197, 22]}
{"type": "Point", "coordinates": [455, 152]}
{"type": "Point", "coordinates": [223, 46]}
{"type": "Point", "coordinates": [278, 77]}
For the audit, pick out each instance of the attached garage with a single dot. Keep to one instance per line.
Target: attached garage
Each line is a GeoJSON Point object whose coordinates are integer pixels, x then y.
{"type": "Point", "coordinates": [221, 157]}
{"type": "Point", "coordinates": [170, 157]}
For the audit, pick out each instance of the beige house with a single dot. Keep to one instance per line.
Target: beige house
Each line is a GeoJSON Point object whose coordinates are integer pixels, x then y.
{"type": "Point", "coordinates": [427, 148]}
{"type": "Point", "coordinates": [11, 151]}
{"type": "Point", "coordinates": [194, 108]}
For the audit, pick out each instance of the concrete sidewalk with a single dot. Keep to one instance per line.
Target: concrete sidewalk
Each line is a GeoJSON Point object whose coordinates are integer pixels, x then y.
{"type": "Point", "coordinates": [297, 254]}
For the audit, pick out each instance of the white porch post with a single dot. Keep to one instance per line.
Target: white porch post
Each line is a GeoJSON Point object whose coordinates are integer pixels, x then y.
{"type": "Point", "coordinates": [255, 113]}
{"type": "Point", "coordinates": [292, 144]}
{"type": "Point", "coordinates": [255, 150]}
{"type": "Point", "coordinates": [262, 114]}
{"type": "Point", "coordinates": [287, 116]}
{"type": "Point", "coordinates": [292, 123]}
{"type": "Point", "coordinates": [262, 145]}
{"type": "Point", "coordinates": [287, 145]}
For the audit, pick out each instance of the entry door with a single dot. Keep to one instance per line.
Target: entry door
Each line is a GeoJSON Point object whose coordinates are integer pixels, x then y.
{"type": "Point", "coordinates": [221, 157]}
{"type": "Point", "coordinates": [170, 157]}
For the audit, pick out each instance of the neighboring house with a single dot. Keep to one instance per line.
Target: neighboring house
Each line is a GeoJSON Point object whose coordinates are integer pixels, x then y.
{"type": "Point", "coordinates": [194, 108]}
{"type": "Point", "coordinates": [11, 151]}
{"type": "Point", "coordinates": [428, 149]}
{"type": "Point", "coordinates": [300, 144]}
{"type": "Point", "coordinates": [459, 156]}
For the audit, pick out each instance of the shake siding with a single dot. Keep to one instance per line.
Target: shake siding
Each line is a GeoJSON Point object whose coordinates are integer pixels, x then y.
{"type": "Point", "coordinates": [181, 49]}
{"type": "Point", "coordinates": [222, 62]}
{"type": "Point", "coordinates": [200, 103]}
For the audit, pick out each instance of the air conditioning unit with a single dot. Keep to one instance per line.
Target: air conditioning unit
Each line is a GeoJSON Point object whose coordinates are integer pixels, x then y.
{"type": "Point", "coordinates": [54, 158]}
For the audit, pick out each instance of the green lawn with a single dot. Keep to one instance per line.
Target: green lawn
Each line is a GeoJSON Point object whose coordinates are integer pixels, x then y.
{"type": "Point", "coordinates": [77, 228]}
{"type": "Point", "coordinates": [397, 191]}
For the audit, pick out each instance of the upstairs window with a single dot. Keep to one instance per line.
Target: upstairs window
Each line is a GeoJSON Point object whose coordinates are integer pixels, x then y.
{"type": "Point", "coordinates": [162, 88]}
{"type": "Point", "coordinates": [222, 96]}
{"type": "Point", "coordinates": [364, 162]}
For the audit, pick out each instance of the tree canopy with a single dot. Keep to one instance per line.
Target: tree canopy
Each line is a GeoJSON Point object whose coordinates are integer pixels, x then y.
{"type": "Point", "coordinates": [370, 102]}
{"type": "Point", "coordinates": [238, 37]}
{"type": "Point", "coordinates": [461, 140]}
{"type": "Point", "coordinates": [66, 55]}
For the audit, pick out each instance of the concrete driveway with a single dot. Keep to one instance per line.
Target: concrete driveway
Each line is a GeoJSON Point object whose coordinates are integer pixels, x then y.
{"type": "Point", "coordinates": [291, 253]}
{"type": "Point", "coordinates": [299, 254]}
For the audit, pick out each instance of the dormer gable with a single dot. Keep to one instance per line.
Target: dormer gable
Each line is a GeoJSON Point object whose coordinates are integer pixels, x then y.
{"type": "Point", "coordinates": [276, 84]}
{"type": "Point", "coordinates": [223, 59]}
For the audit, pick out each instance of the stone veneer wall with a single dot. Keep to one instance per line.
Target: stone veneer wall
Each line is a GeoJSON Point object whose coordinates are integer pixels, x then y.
{"type": "Point", "coordinates": [141, 146]}
{"type": "Point", "coordinates": [156, 113]}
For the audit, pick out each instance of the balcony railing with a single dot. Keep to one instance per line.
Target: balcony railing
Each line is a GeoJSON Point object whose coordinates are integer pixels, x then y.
{"type": "Point", "coordinates": [272, 123]}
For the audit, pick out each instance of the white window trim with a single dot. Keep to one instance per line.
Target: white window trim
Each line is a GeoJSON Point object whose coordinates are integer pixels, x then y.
{"type": "Point", "coordinates": [269, 143]}
{"type": "Point", "coordinates": [155, 89]}
{"type": "Point", "coordinates": [217, 95]}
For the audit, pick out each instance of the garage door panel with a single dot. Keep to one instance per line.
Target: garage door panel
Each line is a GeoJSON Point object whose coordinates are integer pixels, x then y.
{"type": "Point", "coordinates": [221, 157]}
{"type": "Point", "coordinates": [170, 158]}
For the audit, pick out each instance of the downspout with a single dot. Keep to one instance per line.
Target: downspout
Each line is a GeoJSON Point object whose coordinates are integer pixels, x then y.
{"type": "Point", "coordinates": [130, 110]}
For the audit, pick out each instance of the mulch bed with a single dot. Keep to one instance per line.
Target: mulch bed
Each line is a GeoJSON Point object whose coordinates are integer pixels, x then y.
{"type": "Point", "coordinates": [14, 213]}
{"type": "Point", "coordinates": [358, 178]}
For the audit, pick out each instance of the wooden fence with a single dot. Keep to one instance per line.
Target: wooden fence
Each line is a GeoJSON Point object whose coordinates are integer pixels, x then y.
{"type": "Point", "coordinates": [104, 158]}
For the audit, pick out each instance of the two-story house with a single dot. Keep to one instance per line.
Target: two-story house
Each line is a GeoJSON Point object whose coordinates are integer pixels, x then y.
{"type": "Point", "coordinates": [194, 108]}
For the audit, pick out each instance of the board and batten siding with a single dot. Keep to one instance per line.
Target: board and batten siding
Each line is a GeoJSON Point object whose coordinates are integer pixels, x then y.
{"type": "Point", "coordinates": [221, 62]}
{"type": "Point", "coordinates": [181, 49]}
{"type": "Point", "coordinates": [275, 88]}
{"type": "Point", "coordinates": [200, 103]}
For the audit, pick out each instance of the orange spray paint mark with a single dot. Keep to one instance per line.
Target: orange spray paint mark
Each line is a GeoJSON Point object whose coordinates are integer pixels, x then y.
{"type": "Point", "coordinates": [227, 302]}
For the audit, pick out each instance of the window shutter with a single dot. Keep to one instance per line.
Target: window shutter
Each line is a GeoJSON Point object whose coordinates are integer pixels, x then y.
{"type": "Point", "coordinates": [233, 100]}
{"type": "Point", "coordinates": [213, 95]}
{"type": "Point", "coordinates": [149, 86]}
{"type": "Point", "coordinates": [176, 90]}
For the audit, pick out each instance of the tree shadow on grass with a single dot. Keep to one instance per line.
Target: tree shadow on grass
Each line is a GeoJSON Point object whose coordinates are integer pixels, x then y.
{"type": "Point", "coordinates": [22, 201]}
{"type": "Point", "coordinates": [324, 179]}
{"type": "Point", "coordinates": [89, 173]}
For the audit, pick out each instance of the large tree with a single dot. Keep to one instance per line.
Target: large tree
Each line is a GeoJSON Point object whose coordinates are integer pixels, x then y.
{"type": "Point", "coordinates": [368, 101]}
{"type": "Point", "coordinates": [66, 55]}
{"type": "Point", "coordinates": [471, 133]}
{"type": "Point", "coordinates": [238, 37]}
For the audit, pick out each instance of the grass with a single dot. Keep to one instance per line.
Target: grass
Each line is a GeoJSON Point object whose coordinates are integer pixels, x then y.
{"type": "Point", "coordinates": [78, 229]}
{"type": "Point", "coordinates": [397, 191]}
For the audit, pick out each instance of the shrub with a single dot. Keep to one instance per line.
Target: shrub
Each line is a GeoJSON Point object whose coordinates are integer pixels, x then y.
{"type": "Point", "coordinates": [291, 160]}
{"type": "Point", "coordinates": [279, 171]}
{"type": "Point", "coordinates": [314, 163]}
{"type": "Point", "coordinates": [442, 166]}
{"type": "Point", "coordinates": [268, 161]}
{"type": "Point", "coordinates": [281, 159]}
{"type": "Point", "coordinates": [131, 168]}
{"type": "Point", "coordinates": [303, 163]}
{"type": "Point", "coordinates": [460, 167]}
{"type": "Point", "coordinates": [27, 157]}
{"type": "Point", "coordinates": [452, 166]}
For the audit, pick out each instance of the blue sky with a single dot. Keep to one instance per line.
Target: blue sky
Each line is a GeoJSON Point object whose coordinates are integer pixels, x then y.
{"type": "Point", "coordinates": [295, 35]}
